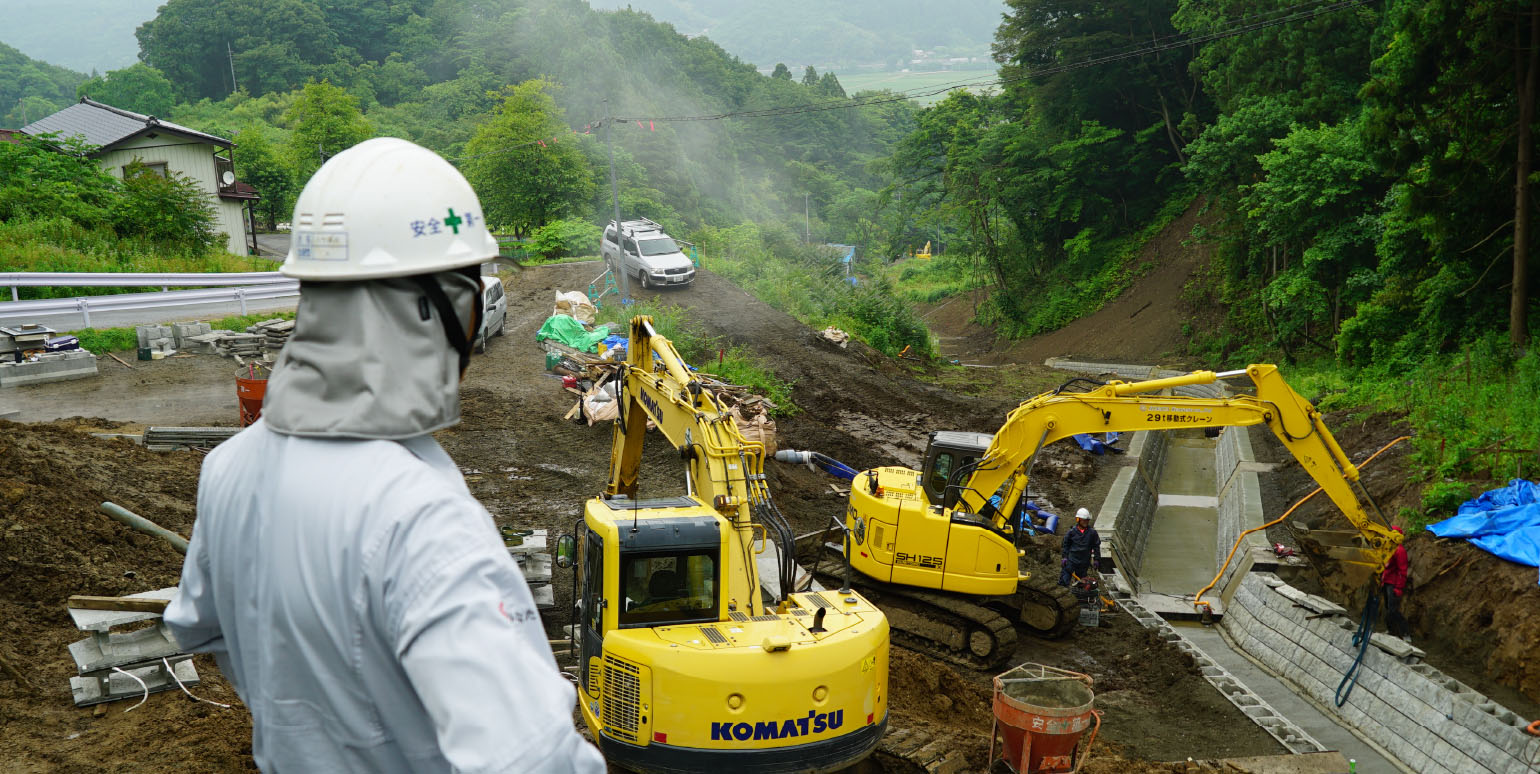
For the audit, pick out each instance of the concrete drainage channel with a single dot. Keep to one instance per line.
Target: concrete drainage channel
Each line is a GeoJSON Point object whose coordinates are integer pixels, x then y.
{"type": "Point", "coordinates": [1401, 713]}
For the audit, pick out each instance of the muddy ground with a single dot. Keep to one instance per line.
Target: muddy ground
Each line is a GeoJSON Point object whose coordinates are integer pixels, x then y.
{"type": "Point", "coordinates": [531, 469]}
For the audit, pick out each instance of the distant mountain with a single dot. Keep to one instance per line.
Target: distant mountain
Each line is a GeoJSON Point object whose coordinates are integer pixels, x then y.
{"type": "Point", "coordinates": [82, 35]}
{"type": "Point", "coordinates": [821, 33]}
{"type": "Point", "coordinates": [30, 89]}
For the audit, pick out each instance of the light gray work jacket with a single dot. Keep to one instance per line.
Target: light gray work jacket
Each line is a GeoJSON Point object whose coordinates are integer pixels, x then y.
{"type": "Point", "coordinates": [368, 614]}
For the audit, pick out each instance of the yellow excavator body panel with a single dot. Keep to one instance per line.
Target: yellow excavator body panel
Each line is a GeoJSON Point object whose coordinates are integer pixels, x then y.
{"type": "Point", "coordinates": [898, 536]}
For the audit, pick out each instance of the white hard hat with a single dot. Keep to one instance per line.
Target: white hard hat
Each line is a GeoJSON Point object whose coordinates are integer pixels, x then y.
{"type": "Point", "coordinates": [386, 208]}
{"type": "Point", "coordinates": [1083, 514]}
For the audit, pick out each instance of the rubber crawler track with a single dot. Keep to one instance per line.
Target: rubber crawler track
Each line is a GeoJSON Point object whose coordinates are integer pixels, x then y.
{"type": "Point", "coordinates": [955, 616]}
{"type": "Point", "coordinates": [1047, 598]}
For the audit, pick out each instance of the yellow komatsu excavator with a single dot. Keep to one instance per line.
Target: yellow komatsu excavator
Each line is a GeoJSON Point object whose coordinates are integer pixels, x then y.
{"type": "Point", "coordinates": [687, 665]}
{"type": "Point", "coordinates": [943, 560]}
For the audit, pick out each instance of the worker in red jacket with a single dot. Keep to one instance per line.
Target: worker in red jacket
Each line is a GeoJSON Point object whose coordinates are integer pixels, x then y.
{"type": "Point", "coordinates": [1394, 581]}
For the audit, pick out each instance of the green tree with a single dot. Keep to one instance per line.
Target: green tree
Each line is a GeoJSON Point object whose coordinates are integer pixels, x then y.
{"type": "Point", "coordinates": [276, 44]}
{"type": "Point", "coordinates": [50, 176]}
{"type": "Point", "coordinates": [324, 121]}
{"type": "Point", "coordinates": [138, 87]}
{"type": "Point", "coordinates": [261, 164]}
{"type": "Point", "coordinates": [781, 72]}
{"type": "Point", "coordinates": [1451, 108]}
{"type": "Point", "coordinates": [525, 163]}
{"type": "Point", "coordinates": [169, 208]}
{"type": "Point", "coordinates": [809, 77]}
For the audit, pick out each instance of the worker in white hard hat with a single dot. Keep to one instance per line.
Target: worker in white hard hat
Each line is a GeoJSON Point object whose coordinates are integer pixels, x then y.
{"type": "Point", "coordinates": [1081, 547]}
{"type": "Point", "coordinates": [349, 586]}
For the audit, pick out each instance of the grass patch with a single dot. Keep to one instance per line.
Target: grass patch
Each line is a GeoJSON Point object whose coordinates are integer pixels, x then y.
{"type": "Point", "coordinates": [126, 340]}
{"type": "Point", "coordinates": [60, 245]}
{"type": "Point", "coordinates": [919, 281]}
{"type": "Point", "coordinates": [808, 283]}
{"type": "Point", "coordinates": [730, 363]}
{"type": "Point", "coordinates": [1475, 416]}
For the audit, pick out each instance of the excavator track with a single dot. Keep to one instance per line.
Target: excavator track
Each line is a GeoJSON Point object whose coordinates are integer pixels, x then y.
{"type": "Point", "coordinates": [1048, 610]}
{"type": "Point", "coordinates": [944, 626]}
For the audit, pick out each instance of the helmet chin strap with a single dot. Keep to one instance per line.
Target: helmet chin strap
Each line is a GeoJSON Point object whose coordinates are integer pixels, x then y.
{"type": "Point", "coordinates": [453, 331]}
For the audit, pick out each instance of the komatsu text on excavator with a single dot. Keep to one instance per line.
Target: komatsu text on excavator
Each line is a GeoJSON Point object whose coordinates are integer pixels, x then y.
{"type": "Point", "coordinates": [687, 665]}
{"type": "Point", "coordinates": [941, 558]}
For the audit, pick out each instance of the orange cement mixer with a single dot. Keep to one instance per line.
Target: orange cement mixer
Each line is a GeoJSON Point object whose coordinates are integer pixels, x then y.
{"type": "Point", "coordinates": [1041, 713]}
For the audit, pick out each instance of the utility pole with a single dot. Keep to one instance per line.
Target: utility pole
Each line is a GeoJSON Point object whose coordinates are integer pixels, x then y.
{"type": "Point", "coordinates": [231, 56]}
{"type": "Point", "coordinates": [620, 237]}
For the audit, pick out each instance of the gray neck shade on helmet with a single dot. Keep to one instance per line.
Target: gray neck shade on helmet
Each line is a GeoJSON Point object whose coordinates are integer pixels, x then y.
{"type": "Point", "coordinates": [368, 360]}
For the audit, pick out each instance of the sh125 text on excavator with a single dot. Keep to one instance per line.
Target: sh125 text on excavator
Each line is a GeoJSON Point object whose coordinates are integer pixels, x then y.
{"type": "Point", "coordinates": [944, 562]}
{"type": "Point", "coordinates": [687, 663]}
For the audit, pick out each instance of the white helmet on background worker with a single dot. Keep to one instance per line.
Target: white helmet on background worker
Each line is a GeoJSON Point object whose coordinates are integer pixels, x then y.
{"type": "Point", "coordinates": [1082, 515]}
{"type": "Point", "coordinates": [386, 208]}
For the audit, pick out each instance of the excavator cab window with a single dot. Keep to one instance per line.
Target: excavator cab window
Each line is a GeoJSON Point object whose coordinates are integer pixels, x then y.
{"type": "Point", "coordinates": [943, 464]}
{"type": "Point", "coordinates": [668, 588]}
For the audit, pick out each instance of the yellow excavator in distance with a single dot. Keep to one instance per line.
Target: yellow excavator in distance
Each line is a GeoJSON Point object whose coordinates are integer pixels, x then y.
{"type": "Point", "coordinates": [686, 664]}
{"type": "Point", "coordinates": [942, 560]}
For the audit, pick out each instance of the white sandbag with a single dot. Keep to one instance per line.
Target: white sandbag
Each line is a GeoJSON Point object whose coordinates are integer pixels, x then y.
{"type": "Point", "coordinates": [576, 303]}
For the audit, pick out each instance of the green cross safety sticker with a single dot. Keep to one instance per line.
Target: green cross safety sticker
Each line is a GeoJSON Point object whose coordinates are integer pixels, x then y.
{"type": "Point", "coordinates": [454, 221]}
{"type": "Point", "coordinates": [431, 226]}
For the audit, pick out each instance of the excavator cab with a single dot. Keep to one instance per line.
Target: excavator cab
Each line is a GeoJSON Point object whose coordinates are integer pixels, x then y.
{"type": "Point", "coordinates": [950, 458]}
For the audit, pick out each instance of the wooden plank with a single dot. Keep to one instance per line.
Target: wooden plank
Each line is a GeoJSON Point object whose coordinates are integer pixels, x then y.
{"type": "Point", "coordinates": [130, 604]}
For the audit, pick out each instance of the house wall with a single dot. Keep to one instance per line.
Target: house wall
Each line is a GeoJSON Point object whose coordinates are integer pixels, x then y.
{"type": "Point", "coordinates": [191, 158]}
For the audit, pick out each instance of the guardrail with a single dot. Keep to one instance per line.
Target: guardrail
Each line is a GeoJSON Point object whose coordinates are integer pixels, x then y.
{"type": "Point", "coordinates": [85, 305]}
{"type": "Point", "coordinates": [70, 279]}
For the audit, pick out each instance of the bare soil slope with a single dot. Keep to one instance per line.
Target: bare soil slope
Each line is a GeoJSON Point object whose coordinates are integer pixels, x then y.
{"type": "Point", "coordinates": [1143, 325]}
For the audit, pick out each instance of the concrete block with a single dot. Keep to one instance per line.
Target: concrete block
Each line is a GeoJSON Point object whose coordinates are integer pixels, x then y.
{"type": "Point", "coordinates": [91, 690]}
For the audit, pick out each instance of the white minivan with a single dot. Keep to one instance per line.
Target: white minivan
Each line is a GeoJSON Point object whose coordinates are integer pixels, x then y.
{"type": "Point", "coordinates": [649, 255]}
{"type": "Point", "coordinates": [494, 311]}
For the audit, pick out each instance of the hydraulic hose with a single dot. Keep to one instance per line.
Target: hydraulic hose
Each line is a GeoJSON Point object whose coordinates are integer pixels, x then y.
{"type": "Point", "coordinates": [1361, 641]}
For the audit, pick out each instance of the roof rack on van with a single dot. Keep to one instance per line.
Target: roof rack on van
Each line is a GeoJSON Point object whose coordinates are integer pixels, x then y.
{"type": "Point", "coordinates": [639, 225]}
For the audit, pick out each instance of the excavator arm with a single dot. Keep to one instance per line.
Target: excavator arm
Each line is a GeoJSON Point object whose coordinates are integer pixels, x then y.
{"type": "Point", "coordinates": [722, 468]}
{"type": "Point", "coordinates": [1120, 407]}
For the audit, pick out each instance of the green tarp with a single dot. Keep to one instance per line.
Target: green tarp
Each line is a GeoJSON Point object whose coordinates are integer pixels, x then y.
{"type": "Point", "coordinates": [567, 330]}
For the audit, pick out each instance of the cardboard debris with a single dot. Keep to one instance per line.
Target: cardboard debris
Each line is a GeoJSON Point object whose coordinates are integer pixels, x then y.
{"type": "Point", "coordinates": [836, 336]}
{"type": "Point", "coordinates": [576, 304]}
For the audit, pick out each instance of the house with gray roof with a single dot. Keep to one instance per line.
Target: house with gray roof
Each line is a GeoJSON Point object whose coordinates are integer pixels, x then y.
{"type": "Point", "coordinates": [122, 137]}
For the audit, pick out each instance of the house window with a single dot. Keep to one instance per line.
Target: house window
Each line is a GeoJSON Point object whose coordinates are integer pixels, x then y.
{"type": "Point", "coordinates": [153, 167]}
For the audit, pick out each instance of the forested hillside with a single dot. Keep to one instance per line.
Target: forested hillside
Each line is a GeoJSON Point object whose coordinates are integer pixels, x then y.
{"type": "Point", "coordinates": [1363, 157]}
{"type": "Point", "coordinates": [31, 89]}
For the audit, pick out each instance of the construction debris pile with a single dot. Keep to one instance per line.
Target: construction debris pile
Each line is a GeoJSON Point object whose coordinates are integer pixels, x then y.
{"type": "Point", "coordinates": [262, 341]}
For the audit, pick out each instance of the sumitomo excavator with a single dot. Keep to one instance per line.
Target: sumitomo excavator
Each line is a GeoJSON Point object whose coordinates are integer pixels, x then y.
{"type": "Point", "coordinates": [937, 548]}
{"type": "Point", "coordinates": [687, 665]}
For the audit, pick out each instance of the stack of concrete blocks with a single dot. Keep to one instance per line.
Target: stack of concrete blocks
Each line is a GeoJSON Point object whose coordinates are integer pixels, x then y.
{"type": "Point", "coordinates": [1430, 721]}
{"type": "Point", "coordinates": [49, 367]}
{"type": "Point", "coordinates": [110, 661]}
{"type": "Point", "coordinates": [183, 332]}
{"type": "Point", "coordinates": [157, 339]}
{"type": "Point", "coordinates": [275, 332]}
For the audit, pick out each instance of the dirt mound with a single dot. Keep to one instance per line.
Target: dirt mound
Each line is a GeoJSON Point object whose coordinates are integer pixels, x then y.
{"type": "Point", "coordinates": [1476, 615]}
{"type": "Point", "coordinates": [55, 544]}
{"type": "Point", "coordinates": [1142, 325]}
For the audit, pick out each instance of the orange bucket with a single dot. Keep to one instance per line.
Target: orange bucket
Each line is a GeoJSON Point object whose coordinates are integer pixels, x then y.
{"type": "Point", "coordinates": [1041, 713]}
{"type": "Point", "coordinates": [250, 389]}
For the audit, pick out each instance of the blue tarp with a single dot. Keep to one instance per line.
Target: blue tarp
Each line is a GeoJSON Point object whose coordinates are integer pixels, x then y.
{"type": "Point", "coordinates": [1504, 522]}
{"type": "Point", "coordinates": [1098, 445]}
